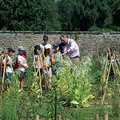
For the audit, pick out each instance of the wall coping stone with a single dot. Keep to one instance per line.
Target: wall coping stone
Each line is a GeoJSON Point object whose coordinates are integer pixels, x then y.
{"type": "Point", "coordinates": [59, 32]}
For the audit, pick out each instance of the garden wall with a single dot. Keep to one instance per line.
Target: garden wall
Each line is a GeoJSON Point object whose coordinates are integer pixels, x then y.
{"type": "Point", "coordinates": [90, 43]}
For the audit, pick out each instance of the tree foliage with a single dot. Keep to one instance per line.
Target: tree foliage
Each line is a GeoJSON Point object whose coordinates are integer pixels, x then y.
{"type": "Point", "coordinates": [84, 14]}
{"type": "Point", "coordinates": [29, 15]}
{"type": "Point", "coordinates": [53, 15]}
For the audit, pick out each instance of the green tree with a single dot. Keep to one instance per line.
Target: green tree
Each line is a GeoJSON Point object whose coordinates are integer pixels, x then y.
{"type": "Point", "coordinates": [29, 15]}
{"type": "Point", "coordinates": [65, 8]}
{"type": "Point", "coordinates": [83, 14]}
{"type": "Point", "coordinates": [116, 13]}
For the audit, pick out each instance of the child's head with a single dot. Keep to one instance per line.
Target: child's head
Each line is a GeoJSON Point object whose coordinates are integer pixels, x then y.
{"type": "Point", "coordinates": [45, 39]}
{"type": "Point", "coordinates": [56, 47]}
{"type": "Point", "coordinates": [22, 51]}
{"type": "Point", "coordinates": [10, 51]}
{"type": "Point", "coordinates": [47, 50]}
{"type": "Point", "coordinates": [19, 48]}
{"type": "Point", "coordinates": [36, 48]}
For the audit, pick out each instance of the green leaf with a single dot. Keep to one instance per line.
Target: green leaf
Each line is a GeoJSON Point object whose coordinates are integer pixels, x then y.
{"type": "Point", "coordinates": [74, 102]}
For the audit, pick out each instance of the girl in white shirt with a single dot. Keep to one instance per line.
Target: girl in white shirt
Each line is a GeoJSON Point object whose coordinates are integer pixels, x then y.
{"type": "Point", "coordinates": [22, 67]}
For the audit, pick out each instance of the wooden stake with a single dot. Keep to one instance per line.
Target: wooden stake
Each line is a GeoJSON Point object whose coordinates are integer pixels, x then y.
{"type": "Point", "coordinates": [47, 82]}
{"type": "Point", "coordinates": [116, 66]}
{"type": "Point", "coordinates": [37, 117]}
{"type": "Point", "coordinates": [1, 59]}
{"type": "Point", "coordinates": [4, 71]}
{"type": "Point", "coordinates": [106, 83]}
{"type": "Point", "coordinates": [111, 61]}
{"type": "Point", "coordinates": [105, 115]}
{"type": "Point", "coordinates": [40, 83]}
{"type": "Point", "coordinates": [97, 116]}
{"type": "Point", "coordinates": [96, 56]}
{"type": "Point", "coordinates": [60, 116]}
{"type": "Point", "coordinates": [109, 54]}
{"type": "Point", "coordinates": [44, 69]}
{"type": "Point", "coordinates": [103, 73]}
{"type": "Point", "coordinates": [34, 65]}
{"type": "Point", "coordinates": [106, 63]}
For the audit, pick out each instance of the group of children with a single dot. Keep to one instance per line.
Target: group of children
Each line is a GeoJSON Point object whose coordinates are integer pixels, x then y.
{"type": "Point", "coordinates": [46, 60]}
{"type": "Point", "coordinates": [44, 57]}
{"type": "Point", "coordinates": [8, 66]}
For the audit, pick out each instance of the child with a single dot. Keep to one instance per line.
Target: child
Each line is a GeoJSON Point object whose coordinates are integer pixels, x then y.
{"type": "Point", "coordinates": [62, 47]}
{"type": "Point", "coordinates": [56, 58]}
{"type": "Point", "coordinates": [46, 44]}
{"type": "Point", "coordinates": [47, 60]}
{"type": "Point", "coordinates": [22, 67]}
{"type": "Point", "coordinates": [16, 62]}
{"type": "Point", "coordinates": [47, 63]}
{"type": "Point", "coordinates": [9, 64]}
{"type": "Point", "coordinates": [37, 59]}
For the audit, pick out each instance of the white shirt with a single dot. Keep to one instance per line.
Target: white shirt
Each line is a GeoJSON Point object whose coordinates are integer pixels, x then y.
{"type": "Point", "coordinates": [43, 46]}
{"type": "Point", "coordinates": [74, 49]}
{"type": "Point", "coordinates": [23, 61]}
{"type": "Point", "coordinates": [8, 68]}
{"type": "Point", "coordinates": [47, 60]}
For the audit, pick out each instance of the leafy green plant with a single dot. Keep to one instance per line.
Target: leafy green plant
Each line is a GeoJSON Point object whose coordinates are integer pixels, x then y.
{"type": "Point", "coordinates": [74, 83]}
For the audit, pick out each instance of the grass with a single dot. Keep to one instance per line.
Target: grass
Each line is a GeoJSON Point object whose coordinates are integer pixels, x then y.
{"type": "Point", "coordinates": [87, 113]}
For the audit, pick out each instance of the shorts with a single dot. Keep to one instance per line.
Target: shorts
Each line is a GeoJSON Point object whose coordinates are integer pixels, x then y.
{"type": "Point", "coordinates": [75, 60]}
{"type": "Point", "coordinates": [21, 74]}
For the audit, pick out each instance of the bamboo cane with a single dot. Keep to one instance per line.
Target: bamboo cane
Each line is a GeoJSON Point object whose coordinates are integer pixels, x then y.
{"type": "Point", "coordinates": [106, 62]}
{"type": "Point", "coordinates": [111, 62]}
{"type": "Point", "coordinates": [44, 69]}
{"type": "Point", "coordinates": [42, 63]}
{"type": "Point", "coordinates": [37, 117]}
{"type": "Point", "coordinates": [4, 71]}
{"type": "Point", "coordinates": [105, 115]}
{"type": "Point", "coordinates": [38, 70]}
{"type": "Point", "coordinates": [114, 59]}
{"type": "Point", "coordinates": [1, 58]}
{"type": "Point", "coordinates": [39, 62]}
{"type": "Point", "coordinates": [97, 116]}
{"type": "Point", "coordinates": [103, 72]}
{"type": "Point", "coordinates": [34, 65]}
{"type": "Point", "coordinates": [96, 56]}
{"type": "Point", "coordinates": [47, 73]}
{"type": "Point", "coordinates": [106, 83]}
{"type": "Point", "coordinates": [34, 68]}
{"type": "Point", "coordinates": [1, 64]}
{"type": "Point", "coordinates": [109, 54]}
{"type": "Point", "coordinates": [116, 66]}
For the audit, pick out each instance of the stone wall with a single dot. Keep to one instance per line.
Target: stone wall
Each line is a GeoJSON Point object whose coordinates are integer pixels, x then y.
{"type": "Point", "coordinates": [90, 43]}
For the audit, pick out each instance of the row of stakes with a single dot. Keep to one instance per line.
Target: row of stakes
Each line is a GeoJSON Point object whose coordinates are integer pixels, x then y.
{"type": "Point", "coordinates": [105, 77]}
